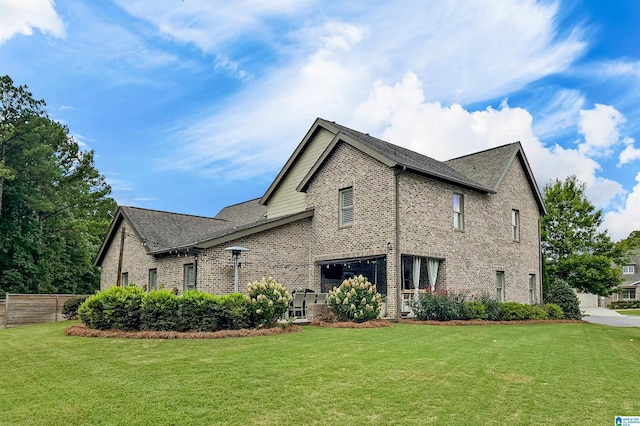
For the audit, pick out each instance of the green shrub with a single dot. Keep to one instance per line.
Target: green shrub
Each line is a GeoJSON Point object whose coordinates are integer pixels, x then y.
{"type": "Point", "coordinates": [512, 311]}
{"type": "Point", "coordinates": [115, 307]}
{"type": "Point", "coordinates": [233, 311]}
{"type": "Point", "coordinates": [561, 294]}
{"type": "Point", "coordinates": [553, 311]}
{"type": "Point", "coordinates": [70, 307]}
{"type": "Point", "coordinates": [492, 307]}
{"type": "Point", "coordinates": [160, 311]}
{"type": "Point", "coordinates": [197, 311]}
{"type": "Point", "coordinates": [535, 312]}
{"type": "Point", "coordinates": [439, 306]}
{"type": "Point", "coordinates": [269, 301]}
{"type": "Point", "coordinates": [624, 304]}
{"type": "Point", "coordinates": [356, 299]}
{"type": "Point", "coordinates": [473, 310]}
{"type": "Point", "coordinates": [92, 313]}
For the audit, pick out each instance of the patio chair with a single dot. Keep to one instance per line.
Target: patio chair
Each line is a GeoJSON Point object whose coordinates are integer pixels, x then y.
{"type": "Point", "coordinates": [297, 306]}
{"type": "Point", "coordinates": [322, 298]}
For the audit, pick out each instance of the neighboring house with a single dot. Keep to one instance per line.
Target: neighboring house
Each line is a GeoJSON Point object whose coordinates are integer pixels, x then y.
{"type": "Point", "coordinates": [630, 287]}
{"type": "Point", "coordinates": [344, 204]}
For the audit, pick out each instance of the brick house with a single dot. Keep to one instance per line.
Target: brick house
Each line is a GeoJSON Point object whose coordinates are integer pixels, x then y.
{"type": "Point", "coordinates": [629, 289]}
{"type": "Point", "coordinates": [344, 204]}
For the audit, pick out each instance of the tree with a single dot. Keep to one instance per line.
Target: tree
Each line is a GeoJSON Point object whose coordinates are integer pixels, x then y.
{"type": "Point", "coordinates": [630, 244]}
{"type": "Point", "coordinates": [573, 248]}
{"type": "Point", "coordinates": [54, 204]}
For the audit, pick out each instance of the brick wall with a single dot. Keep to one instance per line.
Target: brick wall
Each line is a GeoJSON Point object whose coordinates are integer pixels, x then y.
{"type": "Point", "coordinates": [373, 210]}
{"type": "Point", "coordinates": [472, 256]}
{"type": "Point", "coordinates": [135, 260]}
{"type": "Point", "coordinates": [281, 253]}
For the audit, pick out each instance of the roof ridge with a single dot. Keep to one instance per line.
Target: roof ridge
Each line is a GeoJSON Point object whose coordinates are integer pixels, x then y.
{"type": "Point", "coordinates": [485, 150]}
{"type": "Point", "coordinates": [168, 212]}
{"type": "Point", "coordinates": [242, 202]}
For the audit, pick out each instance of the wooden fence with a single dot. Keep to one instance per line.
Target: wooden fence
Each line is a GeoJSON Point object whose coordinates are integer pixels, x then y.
{"type": "Point", "coordinates": [23, 309]}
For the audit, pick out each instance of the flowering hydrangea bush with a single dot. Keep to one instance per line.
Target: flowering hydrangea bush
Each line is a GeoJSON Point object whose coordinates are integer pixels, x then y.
{"type": "Point", "coordinates": [269, 301]}
{"type": "Point", "coordinates": [356, 299]}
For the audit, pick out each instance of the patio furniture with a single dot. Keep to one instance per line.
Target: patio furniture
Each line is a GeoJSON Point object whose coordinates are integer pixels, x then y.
{"type": "Point", "coordinates": [297, 306]}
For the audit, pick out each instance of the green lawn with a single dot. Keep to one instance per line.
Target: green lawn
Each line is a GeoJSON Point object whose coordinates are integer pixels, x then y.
{"type": "Point", "coordinates": [628, 311]}
{"type": "Point", "coordinates": [405, 374]}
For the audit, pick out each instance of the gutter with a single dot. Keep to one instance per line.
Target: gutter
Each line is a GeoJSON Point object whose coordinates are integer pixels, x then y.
{"type": "Point", "coordinates": [398, 254]}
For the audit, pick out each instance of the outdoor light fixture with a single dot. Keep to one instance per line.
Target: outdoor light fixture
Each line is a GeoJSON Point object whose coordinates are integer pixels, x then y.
{"type": "Point", "coordinates": [235, 254]}
{"type": "Point", "coordinates": [389, 246]}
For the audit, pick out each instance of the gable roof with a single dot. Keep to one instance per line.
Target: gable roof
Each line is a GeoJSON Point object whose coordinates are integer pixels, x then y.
{"type": "Point", "coordinates": [391, 155]}
{"type": "Point", "coordinates": [241, 213]}
{"type": "Point", "coordinates": [489, 167]}
{"type": "Point", "coordinates": [161, 230]}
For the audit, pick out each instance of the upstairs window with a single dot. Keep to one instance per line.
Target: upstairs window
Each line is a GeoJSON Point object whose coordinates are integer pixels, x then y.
{"type": "Point", "coordinates": [515, 225]}
{"type": "Point", "coordinates": [125, 279]}
{"type": "Point", "coordinates": [189, 277]}
{"type": "Point", "coordinates": [346, 207]}
{"type": "Point", "coordinates": [629, 269]}
{"type": "Point", "coordinates": [458, 211]}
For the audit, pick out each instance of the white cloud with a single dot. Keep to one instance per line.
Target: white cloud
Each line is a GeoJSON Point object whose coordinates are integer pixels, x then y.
{"type": "Point", "coordinates": [601, 129]}
{"type": "Point", "coordinates": [464, 52]}
{"type": "Point", "coordinates": [559, 114]}
{"type": "Point", "coordinates": [629, 153]}
{"type": "Point", "coordinates": [22, 16]}
{"type": "Point", "coordinates": [626, 219]}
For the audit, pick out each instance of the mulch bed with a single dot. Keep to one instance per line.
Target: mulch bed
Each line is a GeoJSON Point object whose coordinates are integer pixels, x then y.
{"type": "Point", "coordinates": [484, 322]}
{"type": "Point", "coordinates": [349, 324]}
{"type": "Point", "coordinates": [83, 331]}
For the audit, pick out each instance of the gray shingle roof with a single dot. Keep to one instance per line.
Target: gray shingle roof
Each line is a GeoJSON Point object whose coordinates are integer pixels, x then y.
{"type": "Point", "coordinates": [412, 160]}
{"type": "Point", "coordinates": [486, 167]}
{"type": "Point", "coordinates": [243, 213]}
{"type": "Point", "coordinates": [163, 230]}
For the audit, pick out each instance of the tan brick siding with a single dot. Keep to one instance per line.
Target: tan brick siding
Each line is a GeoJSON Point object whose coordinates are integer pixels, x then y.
{"type": "Point", "coordinates": [373, 210]}
{"type": "Point", "coordinates": [281, 253]}
{"type": "Point", "coordinates": [472, 256]}
{"type": "Point", "coordinates": [135, 260]}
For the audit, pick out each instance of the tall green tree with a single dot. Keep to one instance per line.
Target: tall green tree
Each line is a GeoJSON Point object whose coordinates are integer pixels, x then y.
{"type": "Point", "coordinates": [631, 244]}
{"type": "Point", "coordinates": [54, 204]}
{"type": "Point", "coordinates": [574, 249]}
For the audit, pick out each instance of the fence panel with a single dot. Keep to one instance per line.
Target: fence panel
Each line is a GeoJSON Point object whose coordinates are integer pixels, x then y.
{"type": "Point", "coordinates": [23, 309]}
{"type": "Point", "coordinates": [2, 313]}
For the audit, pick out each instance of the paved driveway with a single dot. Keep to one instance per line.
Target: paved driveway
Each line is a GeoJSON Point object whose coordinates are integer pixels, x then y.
{"type": "Point", "coordinates": [610, 317]}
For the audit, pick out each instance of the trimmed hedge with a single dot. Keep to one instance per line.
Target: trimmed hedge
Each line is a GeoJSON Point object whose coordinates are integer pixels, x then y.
{"type": "Point", "coordinates": [71, 306]}
{"type": "Point", "coordinates": [131, 309]}
{"type": "Point", "coordinates": [624, 304]}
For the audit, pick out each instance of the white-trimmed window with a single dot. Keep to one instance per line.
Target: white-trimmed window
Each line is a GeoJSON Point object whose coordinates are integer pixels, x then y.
{"type": "Point", "coordinates": [628, 293]}
{"type": "Point", "coordinates": [500, 286]}
{"type": "Point", "coordinates": [346, 206]}
{"type": "Point", "coordinates": [532, 288]}
{"type": "Point", "coordinates": [125, 279]}
{"type": "Point", "coordinates": [153, 279]}
{"type": "Point", "coordinates": [458, 211]}
{"type": "Point", "coordinates": [629, 269]}
{"type": "Point", "coordinates": [515, 225]}
{"type": "Point", "coordinates": [189, 277]}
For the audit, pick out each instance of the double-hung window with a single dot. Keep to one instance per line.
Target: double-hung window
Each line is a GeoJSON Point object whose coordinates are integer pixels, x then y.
{"type": "Point", "coordinates": [515, 225]}
{"type": "Point", "coordinates": [500, 286]}
{"type": "Point", "coordinates": [189, 277]}
{"type": "Point", "coordinates": [458, 211]}
{"type": "Point", "coordinates": [532, 288]}
{"type": "Point", "coordinates": [125, 279]}
{"type": "Point", "coordinates": [346, 206]}
{"type": "Point", "coordinates": [153, 279]}
{"type": "Point", "coordinates": [628, 293]}
{"type": "Point", "coordinates": [629, 269]}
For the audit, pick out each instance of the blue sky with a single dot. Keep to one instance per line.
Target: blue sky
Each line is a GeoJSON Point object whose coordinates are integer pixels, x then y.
{"type": "Point", "coordinates": [194, 105]}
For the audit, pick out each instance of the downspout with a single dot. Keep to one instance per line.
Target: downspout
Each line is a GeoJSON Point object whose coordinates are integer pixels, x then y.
{"type": "Point", "coordinates": [195, 271]}
{"type": "Point", "coordinates": [541, 259]}
{"type": "Point", "coordinates": [398, 254]}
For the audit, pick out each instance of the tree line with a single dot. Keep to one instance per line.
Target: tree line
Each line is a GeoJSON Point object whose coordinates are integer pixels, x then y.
{"type": "Point", "coordinates": [54, 204]}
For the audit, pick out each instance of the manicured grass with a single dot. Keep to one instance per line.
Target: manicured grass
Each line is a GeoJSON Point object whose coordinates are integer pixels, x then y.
{"type": "Point", "coordinates": [628, 311]}
{"type": "Point", "coordinates": [405, 374]}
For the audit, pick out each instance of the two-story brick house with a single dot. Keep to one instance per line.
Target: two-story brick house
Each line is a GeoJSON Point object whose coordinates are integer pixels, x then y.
{"type": "Point", "coordinates": [345, 204]}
